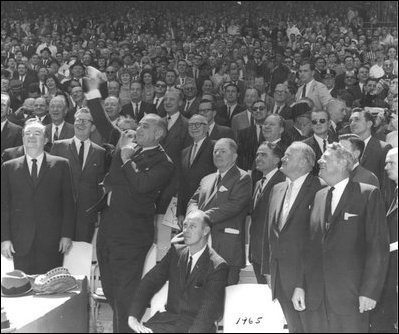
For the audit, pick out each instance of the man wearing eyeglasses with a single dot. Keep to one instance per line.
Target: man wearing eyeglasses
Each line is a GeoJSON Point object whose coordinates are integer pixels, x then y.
{"type": "Point", "coordinates": [197, 162]}
{"type": "Point", "coordinates": [87, 166]}
{"type": "Point", "coordinates": [280, 106]}
{"type": "Point", "coordinates": [160, 90]}
{"type": "Point", "coordinates": [318, 142]}
{"type": "Point", "coordinates": [191, 100]}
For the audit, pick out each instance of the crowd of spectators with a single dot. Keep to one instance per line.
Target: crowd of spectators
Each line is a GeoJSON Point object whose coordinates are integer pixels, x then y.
{"type": "Point", "coordinates": [250, 71]}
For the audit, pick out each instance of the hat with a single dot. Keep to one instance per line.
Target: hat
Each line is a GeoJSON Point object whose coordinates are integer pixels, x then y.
{"type": "Point", "coordinates": [45, 49]}
{"type": "Point", "coordinates": [15, 283]}
{"type": "Point", "coordinates": [57, 280]}
{"type": "Point", "coordinates": [300, 109]}
{"type": "Point", "coordinates": [329, 74]}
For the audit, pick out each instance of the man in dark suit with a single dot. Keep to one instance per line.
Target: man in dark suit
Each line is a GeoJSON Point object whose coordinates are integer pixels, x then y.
{"type": "Point", "coordinates": [280, 105]}
{"type": "Point", "coordinates": [337, 110]}
{"type": "Point", "coordinates": [384, 318]}
{"type": "Point", "coordinates": [359, 174]}
{"type": "Point", "coordinates": [197, 278]}
{"type": "Point", "coordinates": [87, 165]}
{"type": "Point", "coordinates": [77, 71]}
{"type": "Point", "coordinates": [244, 119]}
{"type": "Point", "coordinates": [346, 252]}
{"type": "Point", "coordinates": [137, 175]}
{"type": "Point", "coordinates": [197, 162]}
{"type": "Point", "coordinates": [207, 109]}
{"type": "Point", "coordinates": [191, 100]}
{"type": "Point", "coordinates": [225, 196]}
{"type": "Point", "coordinates": [37, 206]}
{"type": "Point", "coordinates": [58, 129]}
{"type": "Point", "coordinates": [234, 74]}
{"type": "Point", "coordinates": [287, 223]}
{"type": "Point", "coordinates": [40, 110]}
{"type": "Point", "coordinates": [302, 124]}
{"type": "Point", "coordinates": [268, 157]}
{"type": "Point", "coordinates": [11, 134]}
{"type": "Point", "coordinates": [25, 76]}
{"type": "Point", "coordinates": [249, 139]}
{"type": "Point", "coordinates": [137, 109]}
{"type": "Point", "coordinates": [226, 111]}
{"type": "Point", "coordinates": [318, 142]}
{"type": "Point", "coordinates": [160, 90]}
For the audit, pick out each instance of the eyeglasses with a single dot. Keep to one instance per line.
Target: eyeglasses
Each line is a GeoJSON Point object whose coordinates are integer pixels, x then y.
{"type": "Point", "coordinates": [321, 121]}
{"type": "Point", "coordinates": [205, 111]}
{"type": "Point", "coordinates": [258, 108]}
{"type": "Point", "coordinates": [160, 86]}
{"type": "Point", "coordinates": [350, 78]}
{"type": "Point", "coordinates": [82, 121]}
{"type": "Point", "coordinates": [110, 72]}
{"type": "Point", "coordinates": [196, 125]}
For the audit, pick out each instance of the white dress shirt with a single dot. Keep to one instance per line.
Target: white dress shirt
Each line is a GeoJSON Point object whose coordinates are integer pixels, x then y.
{"type": "Point", "coordinates": [337, 193]}
{"type": "Point", "coordinates": [366, 141]}
{"type": "Point", "coordinates": [172, 119]}
{"type": "Point", "coordinates": [320, 142]}
{"type": "Point", "coordinates": [87, 143]}
{"type": "Point", "coordinates": [195, 257]}
{"type": "Point", "coordinates": [296, 187]}
{"type": "Point", "coordinates": [53, 126]}
{"type": "Point", "coordinates": [3, 124]}
{"type": "Point", "coordinates": [39, 161]}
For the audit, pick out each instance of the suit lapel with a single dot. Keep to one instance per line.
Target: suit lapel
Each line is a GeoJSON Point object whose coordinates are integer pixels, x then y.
{"type": "Point", "coordinates": [201, 149]}
{"type": "Point", "coordinates": [89, 158]}
{"type": "Point", "coordinates": [278, 208]}
{"type": "Point", "coordinates": [199, 266]}
{"type": "Point", "coordinates": [25, 171]}
{"type": "Point", "coordinates": [211, 191]}
{"type": "Point", "coordinates": [183, 265]}
{"type": "Point", "coordinates": [43, 169]}
{"type": "Point", "coordinates": [74, 151]}
{"type": "Point", "coordinates": [367, 150]}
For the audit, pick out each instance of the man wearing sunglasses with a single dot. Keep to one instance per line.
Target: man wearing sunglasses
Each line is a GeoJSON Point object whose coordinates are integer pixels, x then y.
{"type": "Point", "coordinates": [160, 90]}
{"type": "Point", "coordinates": [320, 120]}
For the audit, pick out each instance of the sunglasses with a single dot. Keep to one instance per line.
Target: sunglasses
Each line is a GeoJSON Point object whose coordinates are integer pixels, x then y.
{"type": "Point", "coordinates": [109, 72]}
{"type": "Point", "coordinates": [258, 108]}
{"type": "Point", "coordinates": [321, 121]}
{"type": "Point", "coordinates": [160, 85]}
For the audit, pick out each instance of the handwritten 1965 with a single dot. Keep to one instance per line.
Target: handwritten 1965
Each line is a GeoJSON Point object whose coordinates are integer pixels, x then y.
{"type": "Point", "coordinates": [249, 321]}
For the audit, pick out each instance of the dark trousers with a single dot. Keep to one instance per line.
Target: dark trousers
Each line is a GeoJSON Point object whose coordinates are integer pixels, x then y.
{"type": "Point", "coordinates": [234, 275]}
{"type": "Point", "coordinates": [292, 316]}
{"type": "Point", "coordinates": [121, 266]}
{"type": "Point", "coordinates": [325, 320]}
{"type": "Point", "coordinates": [39, 260]}
{"type": "Point", "coordinates": [259, 277]}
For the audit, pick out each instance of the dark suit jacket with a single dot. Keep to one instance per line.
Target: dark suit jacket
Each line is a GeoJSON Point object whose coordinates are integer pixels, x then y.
{"type": "Point", "coordinates": [130, 216]}
{"type": "Point", "coordinates": [350, 258]}
{"type": "Point", "coordinates": [362, 175]}
{"type": "Point", "coordinates": [285, 113]}
{"type": "Point", "coordinates": [193, 108]}
{"type": "Point", "coordinates": [43, 212]}
{"type": "Point", "coordinates": [292, 134]}
{"type": "Point", "coordinates": [190, 176]}
{"type": "Point", "coordinates": [103, 90]}
{"type": "Point", "coordinates": [227, 208]}
{"type": "Point", "coordinates": [12, 153]}
{"type": "Point", "coordinates": [145, 108]}
{"type": "Point", "coordinates": [174, 143]}
{"type": "Point", "coordinates": [259, 231]}
{"type": "Point", "coordinates": [30, 77]}
{"type": "Point", "coordinates": [86, 188]}
{"type": "Point", "coordinates": [286, 246]}
{"type": "Point", "coordinates": [356, 92]}
{"type": "Point", "coordinates": [248, 144]}
{"type": "Point", "coordinates": [67, 132]}
{"type": "Point", "coordinates": [220, 131]}
{"type": "Point", "coordinates": [311, 141]}
{"type": "Point", "coordinates": [193, 305]}
{"type": "Point", "coordinates": [11, 136]}
{"type": "Point", "coordinates": [222, 117]}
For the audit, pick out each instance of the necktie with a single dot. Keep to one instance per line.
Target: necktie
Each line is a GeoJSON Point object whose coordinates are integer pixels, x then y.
{"type": "Point", "coordinates": [188, 269]}
{"type": "Point", "coordinates": [286, 206]}
{"type": "Point", "coordinates": [43, 90]}
{"type": "Point", "coordinates": [156, 102]}
{"type": "Point", "coordinates": [327, 211]}
{"type": "Point", "coordinates": [229, 111]}
{"type": "Point", "coordinates": [324, 145]}
{"type": "Point", "coordinates": [55, 137]}
{"type": "Point", "coordinates": [169, 122]}
{"type": "Point", "coordinates": [136, 111]}
{"type": "Point", "coordinates": [182, 81]}
{"type": "Point", "coordinates": [258, 132]}
{"type": "Point", "coordinates": [304, 91]}
{"type": "Point", "coordinates": [193, 153]}
{"type": "Point", "coordinates": [259, 190]}
{"type": "Point", "coordinates": [218, 180]}
{"type": "Point", "coordinates": [81, 152]}
{"type": "Point", "coordinates": [34, 170]}
{"type": "Point", "coordinates": [187, 106]}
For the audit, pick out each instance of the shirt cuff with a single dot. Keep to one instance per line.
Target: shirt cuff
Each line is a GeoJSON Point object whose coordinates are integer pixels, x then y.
{"type": "Point", "coordinates": [93, 94]}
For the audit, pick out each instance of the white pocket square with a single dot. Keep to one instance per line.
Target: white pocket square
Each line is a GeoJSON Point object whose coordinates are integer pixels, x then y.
{"type": "Point", "coordinates": [222, 189]}
{"type": "Point", "coordinates": [349, 215]}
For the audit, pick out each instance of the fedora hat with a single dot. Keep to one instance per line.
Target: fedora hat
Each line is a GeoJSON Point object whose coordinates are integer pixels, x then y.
{"type": "Point", "coordinates": [15, 283]}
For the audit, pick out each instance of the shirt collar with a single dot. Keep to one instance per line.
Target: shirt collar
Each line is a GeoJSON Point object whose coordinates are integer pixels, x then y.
{"type": "Point", "coordinates": [78, 141]}
{"type": "Point", "coordinates": [366, 141]}
{"type": "Point", "coordinates": [149, 148]}
{"type": "Point", "coordinates": [3, 124]}
{"type": "Point", "coordinates": [224, 173]}
{"type": "Point", "coordinates": [39, 159]}
{"type": "Point", "coordinates": [271, 174]}
{"type": "Point", "coordinates": [340, 186]}
{"type": "Point", "coordinates": [174, 117]}
{"type": "Point", "coordinates": [299, 181]}
{"type": "Point", "coordinates": [355, 165]}
{"type": "Point", "coordinates": [199, 143]}
{"type": "Point", "coordinates": [197, 255]}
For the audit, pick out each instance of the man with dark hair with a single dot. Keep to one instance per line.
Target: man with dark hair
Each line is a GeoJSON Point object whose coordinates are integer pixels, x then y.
{"type": "Point", "coordinates": [230, 107]}
{"type": "Point", "coordinates": [311, 88]}
{"type": "Point", "coordinates": [197, 278]}
{"type": "Point", "coordinates": [355, 145]}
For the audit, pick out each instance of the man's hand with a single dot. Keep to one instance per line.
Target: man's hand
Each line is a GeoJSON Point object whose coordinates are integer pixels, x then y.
{"type": "Point", "coordinates": [7, 249]}
{"type": "Point", "coordinates": [137, 326]}
{"type": "Point", "coordinates": [126, 153]}
{"type": "Point", "coordinates": [298, 299]}
{"type": "Point", "coordinates": [268, 280]}
{"type": "Point", "coordinates": [177, 238]}
{"type": "Point", "coordinates": [65, 245]}
{"type": "Point", "coordinates": [366, 304]}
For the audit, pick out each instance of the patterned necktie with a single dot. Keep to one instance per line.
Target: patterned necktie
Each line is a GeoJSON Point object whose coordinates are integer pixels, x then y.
{"type": "Point", "coordinates": [328, 211]}
{"type": "Point", "coordinates": [188, 269]}
{"type": "Point", "coordinates": [304, 91]}
{"type": "Point", "coordinates": [81, 153]}
{"type": "Point", "coordinates": [286, 205]}
{"type": "Point", "coordinates": [259, 190]}
{"type": "Point", "coordinates": [34, 170]}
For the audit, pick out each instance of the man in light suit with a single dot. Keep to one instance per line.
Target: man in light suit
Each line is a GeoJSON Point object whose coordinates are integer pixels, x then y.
{"type": "Point", "coordinates": [311, 88]}
{"type": "Point", "coordinates": [37, 206]}
{"type": "Point", "coordinates": [244, 119]}
{"type": "Point", "coordinates": [287, 223]}
{"type": "Point", "coordinates": [268, 157]}
{"type": "Point", "coordinates": [197, 278]}
{"type": "Point", "coordinates": [87, 165]}
{"type": "Point", "coordinates": [346, 252]}
{"type": "Point", "coordinates": [225, 197]}
{"type": "Point", "coordinates": [197, 162]}
{"type": "Point", "coordinates": [355, 145]}
{"type": "Point", "coordinates": [384, 318]}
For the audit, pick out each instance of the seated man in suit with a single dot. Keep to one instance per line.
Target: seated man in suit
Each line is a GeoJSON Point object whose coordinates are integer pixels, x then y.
{"type": "Point", "coordinates": [345, 259]}
{"type": "Point", "coordinates": [11, 134]}
{"type": "Point", "coordinates": [355, 145]}
{"type": "Point", "coordinates": [268, 157]}
{"type": "Point", "coordinates": [231, 107]}
{"type": "Point", "coordinates": [225, 196]}
{"type": "Point", "coordinates": [318, 142]}
{"type": "Point", "coordinates": [197, 278]}
{"type": "Point", "coordinates": [87, 165]}
{"type": "Point", "coordinates": [197, 162]}
{"type": "Point", "coordinates": [207, 109]}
